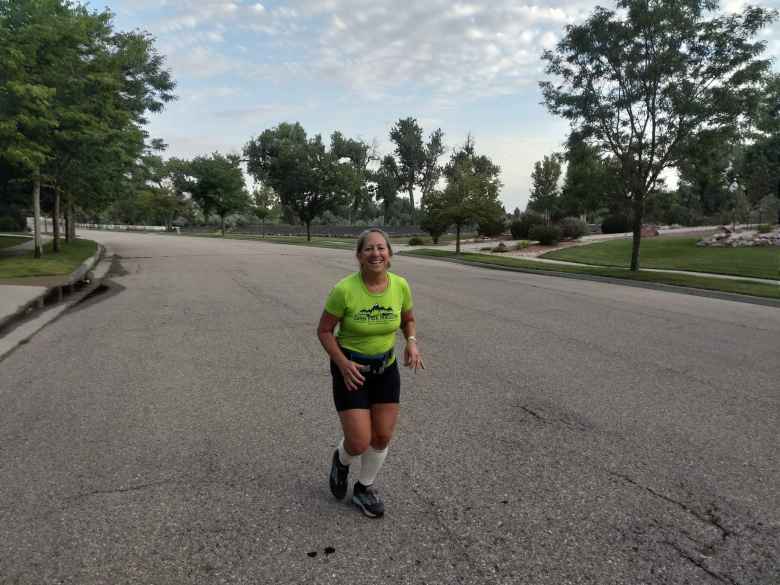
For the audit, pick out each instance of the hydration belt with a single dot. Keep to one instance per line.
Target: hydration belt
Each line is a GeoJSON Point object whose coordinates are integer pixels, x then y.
{"type": "Point", "coordinates": [370, 364]}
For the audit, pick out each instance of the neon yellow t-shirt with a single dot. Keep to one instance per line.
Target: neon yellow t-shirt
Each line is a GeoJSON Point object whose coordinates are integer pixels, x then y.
{"type": "Point", "coordinates": [368, 321]}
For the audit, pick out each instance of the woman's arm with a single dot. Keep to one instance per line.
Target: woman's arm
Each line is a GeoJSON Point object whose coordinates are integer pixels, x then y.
{"type": "Point", "coordinates": [412, 357]}
{"type": "Point", "coordinates": [353, 378]}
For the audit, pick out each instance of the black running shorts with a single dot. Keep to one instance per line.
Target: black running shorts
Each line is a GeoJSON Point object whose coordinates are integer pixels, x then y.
{"type": "Point", "coordinates": [377, 389]}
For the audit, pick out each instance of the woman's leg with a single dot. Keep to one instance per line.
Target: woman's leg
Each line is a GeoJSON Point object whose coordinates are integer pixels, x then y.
{"type": "Point", "coordinates": [356, 424]}
{"type": "Point", "coordinates": [383, 419]}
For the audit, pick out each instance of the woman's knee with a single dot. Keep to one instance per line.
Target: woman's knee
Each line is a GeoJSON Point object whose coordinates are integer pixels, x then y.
{"type": "Point", "coordinates": [356, 445]}
{"type": "Point", "coordinates": [380, 440]}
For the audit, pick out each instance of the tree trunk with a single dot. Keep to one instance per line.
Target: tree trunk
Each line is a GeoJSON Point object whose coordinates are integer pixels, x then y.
{"type": "Point", "coordinates": [70, 227]}
{"type": "Point", "coordinates": [411, 202]}
{"type": "Point", "coordinates": [222, 224]}
{"type": "Point", "coordinates": [457, 239]}
{"type": "Point", "coordinates": [308, 230]}
{"type": "Point", "coordinates": [56, 222]}
{"type": "Point", "coordinates": [262, 228]}
{"type": "Point", "coordinates": [67, 219]}
{"type": "Point", "coordinates": [37, 216]}
{"type": "Point", "coordinates": [639, 208]}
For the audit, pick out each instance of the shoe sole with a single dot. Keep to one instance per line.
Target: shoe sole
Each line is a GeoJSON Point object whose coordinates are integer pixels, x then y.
{"type": "Point", "coordinates": [365, 510]}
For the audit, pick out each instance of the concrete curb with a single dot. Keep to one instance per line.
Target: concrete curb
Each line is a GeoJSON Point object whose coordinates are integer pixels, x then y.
{"type": "Point", "coordinates": [59, 290]}
{"type": "Point", "coordinates": [698, 292]}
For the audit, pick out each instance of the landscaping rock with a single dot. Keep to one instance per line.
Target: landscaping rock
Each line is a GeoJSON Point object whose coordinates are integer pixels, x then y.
{"type": "Point", "coordinates": [728, 238]}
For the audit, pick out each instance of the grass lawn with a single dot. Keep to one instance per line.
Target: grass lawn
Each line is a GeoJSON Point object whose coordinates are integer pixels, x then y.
{"type": "Point", "coordinates": [11, 241]}
{"type": "Point", "coordinates": [758, 289]}
{"type": "Point", "coordinates": [51, 264]}
{"type": "Point", "coordinates": [678, 253]}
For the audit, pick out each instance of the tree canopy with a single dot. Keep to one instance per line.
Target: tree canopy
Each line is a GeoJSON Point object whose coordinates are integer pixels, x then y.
{"type": "Point", "coordinates": [308, 177]}
{"type": "Point", "coordinates": [73, 98]}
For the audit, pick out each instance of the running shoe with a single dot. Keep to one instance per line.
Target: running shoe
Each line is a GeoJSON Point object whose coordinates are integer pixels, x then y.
{"type": "Point", "coordinates": [368, 500]}
{"type": "Point", "coordinates": [338, 477]}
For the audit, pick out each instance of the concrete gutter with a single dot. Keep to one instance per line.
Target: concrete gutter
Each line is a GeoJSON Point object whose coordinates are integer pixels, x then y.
{"type": "Point", "coordinates": [17, 324]}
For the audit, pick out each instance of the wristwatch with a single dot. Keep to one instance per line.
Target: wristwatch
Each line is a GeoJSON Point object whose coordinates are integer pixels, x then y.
{"type": "Point", "coordinates": [411, 338]}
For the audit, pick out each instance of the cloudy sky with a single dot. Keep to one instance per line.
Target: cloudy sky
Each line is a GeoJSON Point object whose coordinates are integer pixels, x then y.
{"type": "Point", "coordinates": [360, 65]}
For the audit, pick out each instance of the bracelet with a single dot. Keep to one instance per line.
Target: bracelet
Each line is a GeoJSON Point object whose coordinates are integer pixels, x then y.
{"type": "Point", "coordinates": [411, 339]}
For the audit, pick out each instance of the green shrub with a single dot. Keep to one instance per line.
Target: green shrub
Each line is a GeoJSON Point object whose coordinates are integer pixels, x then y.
{"type": "Point", "coordinates": [572, 228]}
{"type": "Point", "coordinates": [521, 245]}
{"type": "Point", "coordinates": [764, 228]}
{"type": "Point", "coordinates": [615, 224]}
{"type": "Point", "coordinates": [547, 235]}
{"type": "Point", "coordinates": [416, 241]}
{"type": "Point", "coordinates": [521, 227]}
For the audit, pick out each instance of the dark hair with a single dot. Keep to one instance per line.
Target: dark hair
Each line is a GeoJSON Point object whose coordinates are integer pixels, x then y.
{"type": "Point", "coordinates": [362, 239]}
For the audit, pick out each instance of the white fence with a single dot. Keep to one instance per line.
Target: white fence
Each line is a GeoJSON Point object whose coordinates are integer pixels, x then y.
{"type": "Point", "coordinates": [47, 226]}
{"type": "Point", "coordinates": [121, 227]}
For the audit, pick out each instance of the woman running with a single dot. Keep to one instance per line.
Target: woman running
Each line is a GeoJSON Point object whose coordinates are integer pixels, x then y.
{"type": "Point", "coordinates": [369, 306]}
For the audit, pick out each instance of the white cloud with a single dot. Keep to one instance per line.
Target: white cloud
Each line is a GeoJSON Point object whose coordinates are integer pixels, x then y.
{"type": "Point", "coordinates": [200, 61]}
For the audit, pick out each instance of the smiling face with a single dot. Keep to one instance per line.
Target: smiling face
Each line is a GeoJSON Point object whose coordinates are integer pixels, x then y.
{"type": "Point", "coordinates": [374, 256]}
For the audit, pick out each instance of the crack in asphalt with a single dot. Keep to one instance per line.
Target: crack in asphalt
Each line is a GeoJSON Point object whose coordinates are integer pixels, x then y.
{"type": "Point", "coordinates": [133, 488]}
{"type": "Point", "coordinates": [708, 519]}
{"type": "Point", "coordinates": [451, 534]}
{"type": "Point", "coordinates": [700, 564]}
{"type": "Point", "coordinates": [563, 421]}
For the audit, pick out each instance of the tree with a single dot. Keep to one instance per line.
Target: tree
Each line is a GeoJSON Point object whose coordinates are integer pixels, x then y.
{"type": "Point", "coordinates": [544, 186]}
{"type": "Point", "coordinates": [217, 185]}
{"type": "Point", "coordinates": [305, 174]}
{"type": "Point", "coordinates": [265, 201]}
{"type": "Point", "coordinates": [434, 219]}
{"type": "Point", "coordinates": [387, 184]}
{"type": "Point", "coordinates": [590, 182]}
{"type": "Point", "coordinates": [418, 162]}
{"type": "Point", "coordinates": [28, 32]}
{"type": "Point", "coordinates": [471, 194]}
{"type": "Point", "coordinates": [74, 94]}
{"type": "Point", "coordinates": [704, 169]}
{"type": "Point", "coordinates": [644, 81]}
{"type": "Point", "coordinates": [357, 155]}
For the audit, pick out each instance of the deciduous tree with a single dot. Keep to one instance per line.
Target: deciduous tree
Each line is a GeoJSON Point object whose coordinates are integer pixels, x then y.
{"type": "Point", "coordinates": [644, 80]}
{"type": "Point", "coordinates": [418, 161]}
{"type": "Point", "coordinates": [305, 174]}
{"type": "Point", "coordinates": [471, 194]}
{"type": "Point", "coordinates": [217, 185]}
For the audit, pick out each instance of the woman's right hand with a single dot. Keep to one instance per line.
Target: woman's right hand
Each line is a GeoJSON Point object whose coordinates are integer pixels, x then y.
{"type": "Point", "coordinates": [353, 377]}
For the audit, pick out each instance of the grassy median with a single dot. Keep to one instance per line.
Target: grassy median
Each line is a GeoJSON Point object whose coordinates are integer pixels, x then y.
{"type": "Point", "coordinates": [744, 287]}
{"type": "Point", "coordinates": [678, 253]}
{"type": "Point", "coordinates": [69, 258]}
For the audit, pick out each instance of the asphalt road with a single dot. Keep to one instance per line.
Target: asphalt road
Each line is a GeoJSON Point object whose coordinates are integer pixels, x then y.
{"type": "Point", "coordinates": [178, 429]}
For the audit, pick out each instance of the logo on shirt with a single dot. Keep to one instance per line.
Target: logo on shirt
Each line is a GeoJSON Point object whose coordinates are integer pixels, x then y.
{"type": "Point", "coordinates": [375, 313]}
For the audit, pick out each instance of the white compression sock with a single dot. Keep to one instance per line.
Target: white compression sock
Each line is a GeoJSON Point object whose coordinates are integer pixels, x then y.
{"type": "Point", "coordinates": [344, 457]}
{"type": "Point", "coordinates": [370, 464]}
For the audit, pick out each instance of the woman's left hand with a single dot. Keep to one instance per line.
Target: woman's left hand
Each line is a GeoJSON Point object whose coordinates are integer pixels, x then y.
{"type": "Point", "coordinates": [412, 357]}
